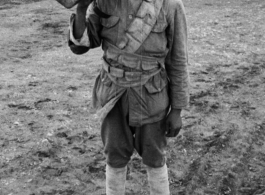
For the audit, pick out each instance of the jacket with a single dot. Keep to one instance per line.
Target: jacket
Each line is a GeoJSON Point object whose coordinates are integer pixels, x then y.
{"type": "Point", "coordinates": [155, 76]}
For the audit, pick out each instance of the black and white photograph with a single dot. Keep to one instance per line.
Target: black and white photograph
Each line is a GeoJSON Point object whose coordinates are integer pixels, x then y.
{"type": "Point", "coordinates": [132, 97]}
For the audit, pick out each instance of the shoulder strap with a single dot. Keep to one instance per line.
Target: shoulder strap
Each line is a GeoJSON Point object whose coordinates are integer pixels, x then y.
{"type": "Point", "coordinates": [141, 26]}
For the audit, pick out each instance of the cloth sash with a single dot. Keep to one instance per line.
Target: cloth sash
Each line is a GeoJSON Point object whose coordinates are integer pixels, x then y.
{"type": "Point", "coordinates": [141, 26]}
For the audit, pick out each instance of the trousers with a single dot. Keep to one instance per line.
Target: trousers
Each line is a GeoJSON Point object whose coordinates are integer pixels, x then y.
{"type": "Point", "coordinates": [120, 139]}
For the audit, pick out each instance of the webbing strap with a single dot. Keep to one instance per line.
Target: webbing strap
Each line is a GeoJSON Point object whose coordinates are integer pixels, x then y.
{"type": "Point", "coordinates": [132, 60]}
{"type": "Point", "coordinates": [142, 25]}
{"type": "Point", "coordinates": [117, 72]}
{"type": "Point", "coordinates": [129, 76]}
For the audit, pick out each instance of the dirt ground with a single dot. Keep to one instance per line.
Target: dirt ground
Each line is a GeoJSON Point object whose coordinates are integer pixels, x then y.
{"type": "Point", "coordinates": [49, 135]}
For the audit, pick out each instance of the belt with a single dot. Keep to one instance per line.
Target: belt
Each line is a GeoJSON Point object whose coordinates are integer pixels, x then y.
{"type": "Point", "coordinates": [132, 60]}
{"type": "Point", "coordinates": [130, 76]}
{"type": "Point", "coordinates": [117, 72]}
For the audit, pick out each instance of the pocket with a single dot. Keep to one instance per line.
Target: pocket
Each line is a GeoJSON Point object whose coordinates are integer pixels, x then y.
{"type": "Point", "coordinates": [157, 83]}
{"type": "Point", "coordinates": [157, 99]}
{"type": "Point", "coordinates": [110, 29]}
{"type": "Point", "coordinates": [104, 88]}
{"type": "Point", "coordinates": [110, 22]}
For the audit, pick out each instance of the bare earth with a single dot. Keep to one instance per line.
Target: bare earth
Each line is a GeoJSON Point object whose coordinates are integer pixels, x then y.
{"type": "Point", "coordinates": [49, 135]}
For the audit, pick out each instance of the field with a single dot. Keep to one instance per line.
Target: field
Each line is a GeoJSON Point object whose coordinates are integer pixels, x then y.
{"type": "Point", "coordinates": [49, 135]}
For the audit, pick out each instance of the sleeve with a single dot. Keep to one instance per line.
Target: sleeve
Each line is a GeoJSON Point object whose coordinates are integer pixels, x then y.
{"type": "Point", "coordinates": [177, 59]}
{"type": "Point", "coordinates": [91, 36]}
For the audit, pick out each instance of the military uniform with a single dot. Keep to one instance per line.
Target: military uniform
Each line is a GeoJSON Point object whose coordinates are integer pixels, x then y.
{"type": "Point", "coordinates": [144, 73]}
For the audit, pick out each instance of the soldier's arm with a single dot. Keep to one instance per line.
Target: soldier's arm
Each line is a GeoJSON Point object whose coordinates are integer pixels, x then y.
{"type": "Point", "coordinates": [177, 59]}
{"type": "Point", "coordinates": [84, 29]}
{"type": "Point", "coordinates": [80, 20]}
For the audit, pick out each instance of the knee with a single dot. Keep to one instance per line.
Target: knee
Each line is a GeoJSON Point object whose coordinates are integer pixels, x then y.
{"type": "Point", "coordinates": [117, 158]}
{"type": "Point", "coordinates": [155, 163]}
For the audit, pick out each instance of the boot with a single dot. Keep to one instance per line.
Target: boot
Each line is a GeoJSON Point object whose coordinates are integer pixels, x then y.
{"type": "Point", "coordinates": [158, 180]}
{"type": "Point", "coordinates": [115, 180]}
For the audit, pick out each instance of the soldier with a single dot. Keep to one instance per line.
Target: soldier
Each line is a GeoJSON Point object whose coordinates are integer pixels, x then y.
{"type": "Point", "coordinates": [143, 84]}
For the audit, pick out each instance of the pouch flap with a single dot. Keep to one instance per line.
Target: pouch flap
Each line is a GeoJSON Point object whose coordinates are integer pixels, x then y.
{"type": "Point", "coordinates": [157, 83]}
{"type": "Point", "coordinates": [110, 22]}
